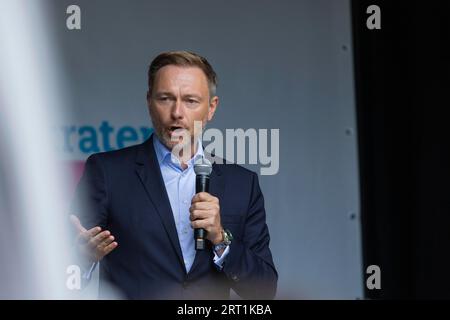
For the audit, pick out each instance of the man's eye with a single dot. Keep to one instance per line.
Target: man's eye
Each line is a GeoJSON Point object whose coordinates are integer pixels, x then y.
{"type": "Point", "coordinates": [192, 101]}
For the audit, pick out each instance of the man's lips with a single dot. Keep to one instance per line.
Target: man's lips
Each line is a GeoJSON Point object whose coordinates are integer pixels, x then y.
{"type": "Point", "coordinates": [177, 130]}
{"type": "Point", "coordinates": [174, 128]}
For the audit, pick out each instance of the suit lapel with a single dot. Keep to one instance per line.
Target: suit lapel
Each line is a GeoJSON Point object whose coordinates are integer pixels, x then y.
{"type": "Point", "coordinates": [149, 173]}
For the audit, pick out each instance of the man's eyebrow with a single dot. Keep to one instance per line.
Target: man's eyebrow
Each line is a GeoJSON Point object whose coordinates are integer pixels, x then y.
{"type": "Point", "coordinates": [170, 94]}
{"type": "Point", "coordinates": [163, 93]}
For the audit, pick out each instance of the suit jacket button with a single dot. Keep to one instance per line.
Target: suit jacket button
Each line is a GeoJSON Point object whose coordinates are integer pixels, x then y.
{"type": "Point", "coordinates": [185, 284]}
{"type": "Point", "coordinates": [234, 278]}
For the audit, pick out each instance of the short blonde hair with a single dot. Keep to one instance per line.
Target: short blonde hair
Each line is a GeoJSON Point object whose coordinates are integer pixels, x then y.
{"type": "Point", "coordinates": [183, 58]}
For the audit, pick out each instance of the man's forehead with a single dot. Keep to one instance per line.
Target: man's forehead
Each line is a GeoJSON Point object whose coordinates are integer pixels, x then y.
{"type": "Point", "coordinates": [181, 74]}
{"type": "Point", "coordinates": [188, 73]}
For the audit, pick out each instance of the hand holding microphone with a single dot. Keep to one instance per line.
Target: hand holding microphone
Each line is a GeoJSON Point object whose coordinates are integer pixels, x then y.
{"type": "Point", "coordinates": [205, 208]}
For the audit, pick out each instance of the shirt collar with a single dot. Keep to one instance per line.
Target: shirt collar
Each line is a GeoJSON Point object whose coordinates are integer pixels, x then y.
{"type": "Point", "coordinates": [164, 155]}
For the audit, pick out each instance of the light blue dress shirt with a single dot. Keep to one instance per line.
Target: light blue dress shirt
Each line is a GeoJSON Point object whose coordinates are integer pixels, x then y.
{"type": "Point", "coordinates": [180, 186]}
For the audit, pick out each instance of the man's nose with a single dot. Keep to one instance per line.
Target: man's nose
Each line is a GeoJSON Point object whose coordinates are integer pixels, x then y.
{"type": "Point", "coordinates": [177, 111]}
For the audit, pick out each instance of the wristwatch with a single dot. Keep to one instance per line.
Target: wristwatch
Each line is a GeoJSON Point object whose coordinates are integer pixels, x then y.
{"type": "Point", "coordinates": [227, 237]}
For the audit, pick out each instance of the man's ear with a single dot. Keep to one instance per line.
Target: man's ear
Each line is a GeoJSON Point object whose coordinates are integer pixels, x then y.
{"type": "Point", "coordinates": [212, 107]}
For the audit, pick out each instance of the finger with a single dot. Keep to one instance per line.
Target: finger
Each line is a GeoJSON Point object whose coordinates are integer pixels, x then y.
{"type": "Point", "coordinates": [89, 234]}
{"type": "Point", "coordinates": [202, 206]}
{"type": "Point", "coordinates": [95, 241]}
{"type": "Point", "coordinates": [94, 231]}
{"type": "Point", "coordinates": [76, 222]}
{"type": "Point", "coordinates": [110, 248]}
{"type": "Point", "coordinates": [203, 196]}
{"type": "Point", "coordinates": [200, 214]}
{"type": "Point", "coordinates": [106, 242]}
{"type": "Point", "coordinates": [201, 224]}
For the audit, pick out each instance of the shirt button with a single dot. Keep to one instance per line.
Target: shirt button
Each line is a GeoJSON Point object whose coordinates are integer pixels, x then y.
{"type": "Point", "coordinates": [185, 201]}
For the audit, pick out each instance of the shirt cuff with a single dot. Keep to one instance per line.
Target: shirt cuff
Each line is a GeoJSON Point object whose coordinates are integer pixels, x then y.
{"type": "Point", "coordinates": [219, 260]}
{"type": "Point", "coordinates": [87, 274]}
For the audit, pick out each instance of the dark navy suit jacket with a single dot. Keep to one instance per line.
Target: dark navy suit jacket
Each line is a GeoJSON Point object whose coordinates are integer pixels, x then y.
{"type": "Point", "coordinates": [123, 192]}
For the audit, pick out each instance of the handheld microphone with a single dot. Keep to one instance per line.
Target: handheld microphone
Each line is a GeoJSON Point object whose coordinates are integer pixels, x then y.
{"type": "Point", "coordinates": [202, 169]}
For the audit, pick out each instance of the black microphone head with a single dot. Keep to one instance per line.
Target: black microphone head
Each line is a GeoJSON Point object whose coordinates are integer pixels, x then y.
{"type": "Point", "coordinates": [202, 166]}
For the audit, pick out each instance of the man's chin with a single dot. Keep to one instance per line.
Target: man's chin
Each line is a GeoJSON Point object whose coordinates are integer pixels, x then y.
{"type": "Point", "coordinates": [170, 144]}
{"type": "Point", "coordinates": [166, 139]}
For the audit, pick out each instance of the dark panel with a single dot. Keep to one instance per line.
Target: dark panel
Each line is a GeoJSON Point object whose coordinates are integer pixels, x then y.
{"type": "Point", "coordinates": [401, 80]}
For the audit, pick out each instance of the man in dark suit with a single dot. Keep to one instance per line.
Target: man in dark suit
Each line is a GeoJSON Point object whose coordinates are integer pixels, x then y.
{"type": "Point", "coordinates": [137, 206]}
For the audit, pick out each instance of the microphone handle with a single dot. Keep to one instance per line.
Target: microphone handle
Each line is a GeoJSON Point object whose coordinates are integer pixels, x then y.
{"type": "Point", "coordinates": [201, 185]}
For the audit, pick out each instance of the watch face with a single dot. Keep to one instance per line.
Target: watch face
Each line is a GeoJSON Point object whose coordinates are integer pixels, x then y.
{"type": "Point", "coordinates": [227, 236]}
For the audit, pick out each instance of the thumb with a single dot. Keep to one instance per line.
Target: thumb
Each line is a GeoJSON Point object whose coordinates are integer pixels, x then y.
{"type": "Point", "coordinates": [76, 222]}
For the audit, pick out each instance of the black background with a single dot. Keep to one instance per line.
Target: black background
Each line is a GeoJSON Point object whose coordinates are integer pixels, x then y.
{"type": "Point", "coordinates": [402, 83]}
